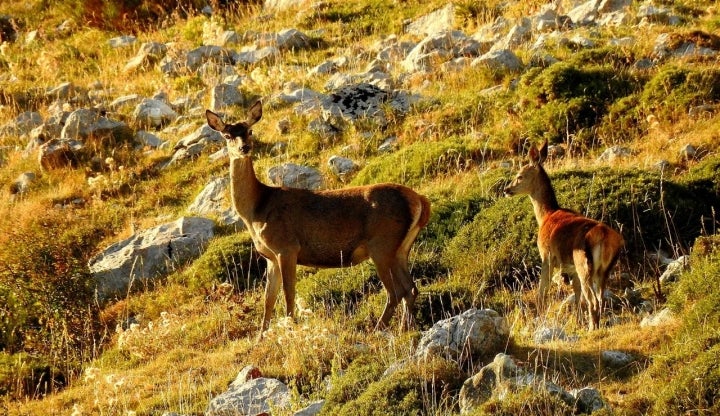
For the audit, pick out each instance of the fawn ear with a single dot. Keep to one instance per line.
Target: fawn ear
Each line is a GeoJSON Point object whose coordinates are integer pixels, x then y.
{"type": "Point", "coordinates": [255, 113]}
{"type": "Point", "coordinates": [214, 121]}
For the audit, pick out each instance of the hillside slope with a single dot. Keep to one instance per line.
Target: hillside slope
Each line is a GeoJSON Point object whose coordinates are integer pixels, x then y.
{"type": "Point", "coordinates": [104, 142]}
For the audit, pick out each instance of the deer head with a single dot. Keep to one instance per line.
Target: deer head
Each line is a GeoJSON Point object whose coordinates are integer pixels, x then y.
{"type": "Point", "coordinates": [526, 180]}
{"type": "Point", "coordinates": [238, 136]}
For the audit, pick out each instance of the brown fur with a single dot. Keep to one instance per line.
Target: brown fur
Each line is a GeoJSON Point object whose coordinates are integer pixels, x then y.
{"type": "Point", "coordinates": [585, 249]}
{"type": "Point", "coordinates": [334, 228]}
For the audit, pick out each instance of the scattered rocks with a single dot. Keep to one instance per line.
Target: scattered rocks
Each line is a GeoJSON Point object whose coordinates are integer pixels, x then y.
{"type": "Point", "coordinates": [615, 152]}
{"type": "Point", "coordinates": [544, 335]}
{"type": "Point", "coordinates": [225, 95]}
{"type": "Point", "coordinates": [662, 317]}
{"type": "Point", "coordinates": [588, 400]}
{"type": "Point", "coordinates": [499, 60]}
{"type": "Point", "coordinates": [122, 41]}
{"type": "Point", "coordinates": [341, 166]}
{"type": "Point", "coordinates": [504, 376]}
{"type": "Point", "coordinates": [59, 153]}
{"type": "Point", "coordinates": [22, 183]}
{"type": "Point", "coordinates": [86, 123]}
{"type": "Point", "coordinates": [438, 21]}
{"type": "Point", "coordinates": [148, 55]}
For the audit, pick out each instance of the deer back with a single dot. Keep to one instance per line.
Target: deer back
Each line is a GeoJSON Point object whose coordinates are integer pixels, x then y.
{"type": "Point", "coordinates": [335, 227]}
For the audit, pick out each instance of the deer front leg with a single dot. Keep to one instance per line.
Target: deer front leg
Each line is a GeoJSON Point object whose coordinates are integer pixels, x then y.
{"type": "Point", "coordinates": [271, 291]}
{"type": "Point", "coordinates": [288, 269]}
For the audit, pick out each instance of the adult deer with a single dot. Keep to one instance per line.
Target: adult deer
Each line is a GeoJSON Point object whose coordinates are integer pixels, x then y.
{"type": "Point", "coordinates": [332, 228]}
{"type": "Point", "coordinates": [585, 249]}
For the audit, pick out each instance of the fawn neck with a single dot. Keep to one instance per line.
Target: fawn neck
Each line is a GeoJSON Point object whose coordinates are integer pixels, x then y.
{"type": "Point", "coordinates": [245, 187]}
{"type": "Point", "coordinates": [543, 197]}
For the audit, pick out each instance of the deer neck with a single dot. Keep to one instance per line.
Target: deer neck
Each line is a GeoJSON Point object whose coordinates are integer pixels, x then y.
{"type": "Point", "coordinates": [543, 197]}
{"type": "Point", "coordinates": [245, 188]}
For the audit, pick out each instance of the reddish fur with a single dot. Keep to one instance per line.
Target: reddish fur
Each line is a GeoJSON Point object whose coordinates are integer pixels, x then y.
{"type": "Point", "coordinates": [334, 228]}
{"type": "Point", "coordinates": [582, 247]}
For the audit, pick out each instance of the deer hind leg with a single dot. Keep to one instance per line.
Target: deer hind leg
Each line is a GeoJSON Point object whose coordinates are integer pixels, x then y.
{"type": "Point", "coordinates": [405, 289]}
{"type": "Point", "coordinates": [385, 273]}
{"type": "Point", "coordinates": [544, 285]}
{"type": "Point", "coordinates": [577, 290]}
{"type": "Point", "coordinates": [586, 276]}
{"type": "Point", "coordinates": [271, 291]}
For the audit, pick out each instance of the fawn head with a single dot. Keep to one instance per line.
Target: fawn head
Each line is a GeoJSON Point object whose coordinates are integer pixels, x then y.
{"type": "Point", "coordinates": [237, 136]}
{"type": "Point", "coordinates": [526, 179]}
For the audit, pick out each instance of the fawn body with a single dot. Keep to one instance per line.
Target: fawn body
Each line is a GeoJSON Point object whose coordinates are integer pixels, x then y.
{"type": "Point", "coordinates": [583, 248]}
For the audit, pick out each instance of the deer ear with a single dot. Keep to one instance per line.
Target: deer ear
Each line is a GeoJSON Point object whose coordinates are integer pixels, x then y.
{"type": "Point", "coordinates": [255, 113]}
{"type": "Point", "coordinates": [534, 156]}
{"type": "Point", "coordinates": [543, 152]}
{"type": "Point", "coordinates": [214, 121]}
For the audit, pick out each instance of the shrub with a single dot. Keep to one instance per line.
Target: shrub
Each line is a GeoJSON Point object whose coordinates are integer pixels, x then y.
{"type": "Point", "coordinates": [22, 375]}
{"type": "Point", "coordinates": [414, 163]}
{"type": "Point", "coordinates": [229, 258]}
{"type": "Point", "coordinates": [415, 388]}
{"type": "Point", "coordinates": [564, 100]}
{"type": "Point", "coordinates": [650, 212]}
{"type": "Point", "coordinates": [674, 90]}
{"type": "Point", "coordinates": [694, 359]}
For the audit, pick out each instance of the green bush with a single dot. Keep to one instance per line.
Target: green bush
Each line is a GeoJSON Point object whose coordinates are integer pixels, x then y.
{"type": "Point", "coordinates": [229, 258]}
{"type": "Point", "coordinates": [345, 287]}
{"type": "Point", "coordinates": [415, 388]}
{"type": "Point", "coordinates": [565, 100]}
{"type": "Point", "coordinates": [694, 358]}
{"type": "Point", "coordinates": [525, 402]}
{"type": "Point", "coordinates": [413, 164]}
{"type": "Point", "coordinates": [499, 246]}
{"type": "Point", "coordinates": [624, 121]}
{"type": "Point", "coordinates": [674, 90]}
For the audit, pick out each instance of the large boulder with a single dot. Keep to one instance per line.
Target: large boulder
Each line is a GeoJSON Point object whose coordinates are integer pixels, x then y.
{"type": "Point", "coordinates": [499, 60]}
{"type": "Point", "coordinates": [478, 332]}
{"type": "Point", "coordinates": [149, 254]}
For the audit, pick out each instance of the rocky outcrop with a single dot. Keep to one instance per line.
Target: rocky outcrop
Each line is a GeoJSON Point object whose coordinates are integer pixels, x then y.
{"type": "Point", "coordinates": [503, 376]}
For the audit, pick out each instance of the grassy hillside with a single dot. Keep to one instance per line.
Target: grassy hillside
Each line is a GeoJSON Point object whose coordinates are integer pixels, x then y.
{"type": "Point", "coordinates": [63, 351]}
